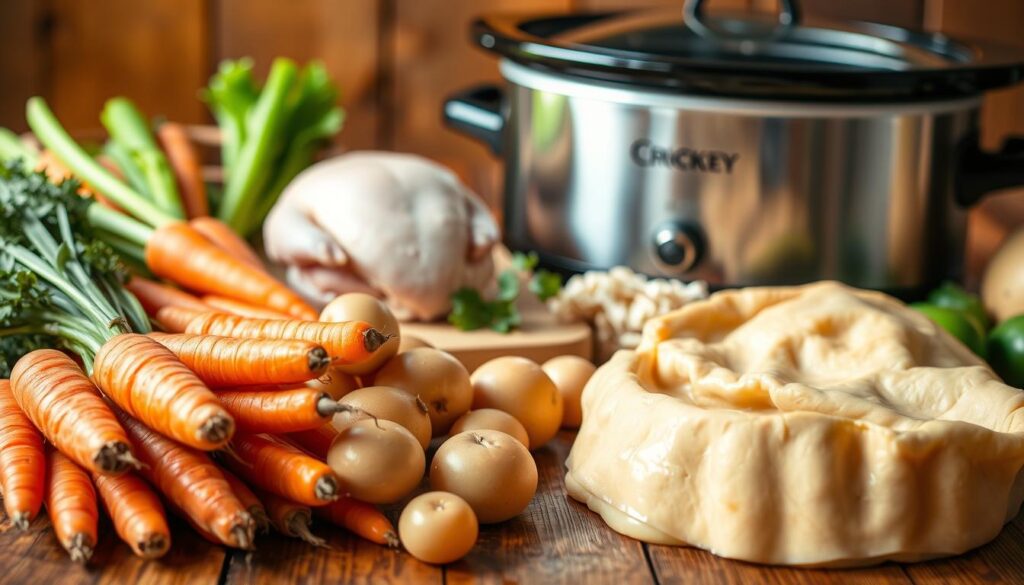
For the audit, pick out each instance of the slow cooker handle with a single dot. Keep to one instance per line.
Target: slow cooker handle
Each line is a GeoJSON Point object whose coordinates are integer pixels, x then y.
{"type": "Point", "coordinates": [981, 172]}
{"type": "Point", "coordinates": [693, 13]}
{"type": "Point", "coordinates": [477, 112]}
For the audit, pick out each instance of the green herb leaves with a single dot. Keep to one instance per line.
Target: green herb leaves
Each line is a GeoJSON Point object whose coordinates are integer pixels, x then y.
{"type": "Point", "coordinates": [545, 284]}
{"type": "Point", "coordinates": [471, 311]}
{"type": "Point", "coordinates": [23, 192]}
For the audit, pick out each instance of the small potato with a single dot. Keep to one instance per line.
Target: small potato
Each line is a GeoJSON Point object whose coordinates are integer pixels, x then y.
{"type": "Point", "coordinates": [411, 342]}
{"type": "Point", "coordinates": [491, 419]}
{"type": "Point", "coordinates": [438, 527]}
{"type": "Point", "coordinates": [570, 373]}
{"type": "Point", "coordinates": [390, 404]}
{"type": "Point", "coordinates": [364, 307]}
{"type": "Point", "coordinates": [436, 377]}
{"type": "Point", "coordinates": [492, 471]}
{"type": "Point", "coordinates": [377, 461]}
{"type": "Point", "coordinates": [335, 383]}
{"type": "Point", "coordinates": [520, 387]}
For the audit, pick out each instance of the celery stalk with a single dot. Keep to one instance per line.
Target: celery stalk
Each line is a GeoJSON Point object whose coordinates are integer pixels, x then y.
{"type": "Point", "coordinates": [49, 131]}
{"type": "Point", "coordinates": [131, 171]}
{"type": "Point", "coordinates": [129, 128]}
{"type": "Point", "coordinates": [313, 117]}
{"type": "Point", "coordinates": [265, 128]}
{"type": "Point", "coordinates": [231, 95]}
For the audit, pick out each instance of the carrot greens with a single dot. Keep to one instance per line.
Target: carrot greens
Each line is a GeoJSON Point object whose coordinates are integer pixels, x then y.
{"type": "Point", "coordinates": [49, 131]}
{"type": "Point", "coordinates": [58, 281]}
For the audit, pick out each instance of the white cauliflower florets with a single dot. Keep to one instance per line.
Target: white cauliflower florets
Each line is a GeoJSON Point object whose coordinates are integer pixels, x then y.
{"type": "Point", "coordinates": [618, 303]}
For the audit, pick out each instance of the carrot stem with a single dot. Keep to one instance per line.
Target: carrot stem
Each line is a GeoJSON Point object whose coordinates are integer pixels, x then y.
{"type": "Point", "coordinates": [64, 257]}
{"type": "Point", "coordinates": [130, 305]}
{"type": "Point", "coordinates": [131, 254]}
{"type": "Point", "coordinates": [79, 331]}
{"type": "Point", "coordinates": [33, 263]}
{"type": "Point", "coordinates": [50, 132]}
{"type": "Point", "coordinates": [119, 224]}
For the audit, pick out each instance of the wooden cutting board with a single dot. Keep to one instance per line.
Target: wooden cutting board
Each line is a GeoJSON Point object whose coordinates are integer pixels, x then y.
{"type": "Point", "coordinates": [540, 338]}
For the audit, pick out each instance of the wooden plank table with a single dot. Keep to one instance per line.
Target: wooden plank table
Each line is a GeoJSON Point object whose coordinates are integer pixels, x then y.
{"type": "Point", "coordinates": [556, 540]}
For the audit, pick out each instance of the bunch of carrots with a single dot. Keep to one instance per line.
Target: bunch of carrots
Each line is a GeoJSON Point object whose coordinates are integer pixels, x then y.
{"type": "Point", "coordinates": [208, 416]}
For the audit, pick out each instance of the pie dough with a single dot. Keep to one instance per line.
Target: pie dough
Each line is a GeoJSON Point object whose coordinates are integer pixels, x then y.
{"type": "Point", "coordinates": [815, 425]}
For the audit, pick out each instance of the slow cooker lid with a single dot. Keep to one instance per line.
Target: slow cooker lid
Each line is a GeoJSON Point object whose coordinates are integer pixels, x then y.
{"type": "Point", "coordinates": [779, 55]}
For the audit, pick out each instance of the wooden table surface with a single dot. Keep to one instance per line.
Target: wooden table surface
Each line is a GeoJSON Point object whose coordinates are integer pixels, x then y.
{"type": "Point", "coordinates": [556, 540]}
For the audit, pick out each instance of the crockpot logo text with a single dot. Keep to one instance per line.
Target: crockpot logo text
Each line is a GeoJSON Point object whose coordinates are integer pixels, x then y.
{"type": "Point", "coordinates": [646, 154]}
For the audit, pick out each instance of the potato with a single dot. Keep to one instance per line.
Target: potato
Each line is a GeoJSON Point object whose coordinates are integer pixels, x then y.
{"type": "Point", "coordinates": [438, 527]}
{"type": "Point", "coordinates": [492, 471]}
{"type": "Point", "coordinates": [570, 373]}
{"type": "Point", "coordinates": [390, 404]}
{"type": "Point", "coordinates": [364, 307]}
{"type": "Point", "coordinates": [412, 342]}
{"type": "Point", "coordinates": [1002, 288]}
{"type": "Point", "coordinates": [494, 420]}
{"type": "Point", "coordinates": [520, 387]}
{"type": "Point", "coordinates": [439, 379]}
{"type": "Point", "coordinates": [335, 383]}
{"type": "Point", "coordinates": [379, 462]}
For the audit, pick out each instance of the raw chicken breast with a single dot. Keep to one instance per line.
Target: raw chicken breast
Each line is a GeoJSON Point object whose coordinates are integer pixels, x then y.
{"type": "Point", "coordinates": [395, 225]}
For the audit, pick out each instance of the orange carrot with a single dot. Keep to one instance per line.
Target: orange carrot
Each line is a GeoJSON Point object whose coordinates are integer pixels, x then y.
{"type": "Point", "coordinates": [22, 462]}
{"type": "Point", "coordinates": [226, 305]}
{"type": "Point", "coordinates": [290, 518]}
{"type": "Point", "coordinates": [136, 512]}
{"type": "Point", "coordinates": [155, 295]}
{"type": "Point", "coordinates": [150, 383]}
{"type": "Point", "coordinates": [191, 482]}
{"type": "Point", "coordinates": [188, 172]}
{"type": "Point", "coordinates": [206, 534]}
{"type": "Point", "coordinates": [283, 470]}
{"type": "Point", "coordinates": [51, 166]}
{"type": "Point", "coordinates": [283, 411]}
{"type": "Point", "coordinates": [177, 252]}
{"type": "Point", "coordinates": [348, 342]}
{"type": "Point", "coordinates": [316, 441]}
{"type": "Point", "coordinates": [231, 361]}
{"type": "Point", "coordinates": [71, 503]}
{"type": "Point", "coordinates": [175, 319]}
{"type": "Point", "coordinates": [245, 495]}
{"type": "Point", "coordinates": [63, 403]}
{"type": "Point", "coordinates": [225, 238]}
{"type": "Point", "coordinates": [259, 388]}
{"type": "Point", "coordinates": [361, 519]}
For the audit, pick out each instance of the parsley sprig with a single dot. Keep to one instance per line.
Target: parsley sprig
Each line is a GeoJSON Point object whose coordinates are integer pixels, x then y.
{"type": "Point", "coordinates": [470, 310]}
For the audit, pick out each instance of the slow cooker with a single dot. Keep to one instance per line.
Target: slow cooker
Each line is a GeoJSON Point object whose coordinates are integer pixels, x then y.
{"type": "Point", "coordinates": [739, 149]}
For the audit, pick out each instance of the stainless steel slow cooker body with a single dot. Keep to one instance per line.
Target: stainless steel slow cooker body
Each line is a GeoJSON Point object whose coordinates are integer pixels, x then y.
{"type": "Point", "coordinates": [735, 192]}
{"type": "Point", "coordinates": [739, 150]}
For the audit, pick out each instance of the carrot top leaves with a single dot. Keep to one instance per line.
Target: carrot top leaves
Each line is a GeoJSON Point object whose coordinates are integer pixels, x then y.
{"type": "Point", "coordinates": [58, 280]}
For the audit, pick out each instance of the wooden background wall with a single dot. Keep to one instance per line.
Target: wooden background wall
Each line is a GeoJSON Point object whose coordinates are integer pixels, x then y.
{"type": "Point", "coordinates": [395, 60]}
